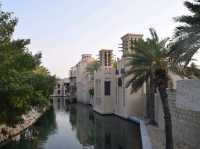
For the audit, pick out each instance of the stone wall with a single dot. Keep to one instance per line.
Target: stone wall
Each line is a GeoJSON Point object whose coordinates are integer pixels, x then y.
{"type": "Point", "coordinates": [186, 122]}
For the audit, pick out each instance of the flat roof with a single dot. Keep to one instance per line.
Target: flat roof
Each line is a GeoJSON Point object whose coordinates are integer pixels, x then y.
{"type": "Point", "coordinates": [106, 50]}
{"type": "Point", "coordinates": [132, 34]}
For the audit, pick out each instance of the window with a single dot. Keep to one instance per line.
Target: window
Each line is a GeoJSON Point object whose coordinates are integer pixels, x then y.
{"type": "Point", "coordinates": [109, 59]}
{"type": "Point", "coordinates": [108, 139]}
{"type": "Point", "coordinates": [117, 72]}
{"type": "Point", "coordinates": [58, 85]}
{"type": "Point", "coordinates": [120, 82]}
{"type": "Point", "coordinates": [122, 71]}
{"type": "Point", "coordinates": [107, 86]}
{"type": "Point", "coordinates": [105, 57]}
{"type": "Point", "coordinates": [58, 91]}
{"type": "Point", "coordinates": [66, 84]}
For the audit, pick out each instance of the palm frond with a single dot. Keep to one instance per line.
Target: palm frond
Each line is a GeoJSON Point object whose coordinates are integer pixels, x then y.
{"type": "Point", "coordinates": [186, 40]}
{"type": "Point", "coordinates": [154, 35]}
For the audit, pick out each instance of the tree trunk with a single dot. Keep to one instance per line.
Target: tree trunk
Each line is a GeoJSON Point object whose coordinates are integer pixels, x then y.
{"type": "Point", "coordinates": [167, 117]}
{"type": "Point", "coordinates": [152, 100]}
{"type": "Point", "coordinates": [150, 96]}
{"type": "Point", "coordinates": [148, 100]}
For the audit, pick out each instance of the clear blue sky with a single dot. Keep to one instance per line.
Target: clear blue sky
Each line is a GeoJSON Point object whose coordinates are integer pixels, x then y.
{"type": "Point", "coordinates": [64, 29]}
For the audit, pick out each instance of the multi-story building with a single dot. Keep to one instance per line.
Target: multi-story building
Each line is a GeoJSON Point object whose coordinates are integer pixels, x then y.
{"type": "Point", "coordinates": [72, 78]}
{"type": "Point", "coordinates": [134, 104]}
{"type": "Point", "coordinates": [82, 79]}
{"type": "Point", "coordinates": [61, 88]}
{"type": "Point", "coordinates": [104, 84]}
{"type": "Point", "coordinates": [127, 104]}
{"type": "Point", "coordinates": [111, 94]}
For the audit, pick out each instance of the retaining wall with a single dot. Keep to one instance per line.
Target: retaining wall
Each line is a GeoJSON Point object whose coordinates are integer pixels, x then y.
{"type": "Point", "coordinates": [185, 120]}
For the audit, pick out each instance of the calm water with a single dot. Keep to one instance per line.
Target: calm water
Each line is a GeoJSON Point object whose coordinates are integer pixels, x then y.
{"type": "Point", "coordinates": [77, 127]}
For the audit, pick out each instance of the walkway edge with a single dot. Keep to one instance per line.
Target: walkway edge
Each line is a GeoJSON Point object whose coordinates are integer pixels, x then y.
{"type": "Point", "coordinates": [146, 143]}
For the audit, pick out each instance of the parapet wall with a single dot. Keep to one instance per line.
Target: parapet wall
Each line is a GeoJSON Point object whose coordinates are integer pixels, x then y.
{"type": "Point", "coordinates": [185, 118]}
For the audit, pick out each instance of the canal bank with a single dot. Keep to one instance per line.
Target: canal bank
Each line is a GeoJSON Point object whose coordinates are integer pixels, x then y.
{"type": "Point", "coordinates": [8, 133]}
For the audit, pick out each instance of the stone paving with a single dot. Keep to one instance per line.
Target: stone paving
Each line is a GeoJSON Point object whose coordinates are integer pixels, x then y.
{"type": "Point", "coordinates": [157, 137]}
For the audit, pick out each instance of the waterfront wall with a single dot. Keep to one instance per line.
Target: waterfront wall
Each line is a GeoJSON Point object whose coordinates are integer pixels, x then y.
{"type": "Point", "coordinates": [185, 118]}
{"type": "Point", "coordinates": [104, 103]}
{"type": "Point", "coordinates": [29, 119]}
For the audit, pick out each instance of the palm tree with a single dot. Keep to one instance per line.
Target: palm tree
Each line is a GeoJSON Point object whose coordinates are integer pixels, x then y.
{"type": "Point", "coordinates": [93, 66]}
{"type": "Point", "coordinates": [149, 61]}
{"type": "Point", "coordinates": [186, 41]}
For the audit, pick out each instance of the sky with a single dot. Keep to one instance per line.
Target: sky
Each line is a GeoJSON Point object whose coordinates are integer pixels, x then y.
{"type": "Point", "coordinates": [64, 29]}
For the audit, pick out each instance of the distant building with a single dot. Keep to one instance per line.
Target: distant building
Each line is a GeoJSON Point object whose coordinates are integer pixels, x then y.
{"type": "Point", "coordinates": [72, 84]}
{"type": "Point", "coordinates": [82, 79]}
{"type": "Point", "coordinates": [61, 88]}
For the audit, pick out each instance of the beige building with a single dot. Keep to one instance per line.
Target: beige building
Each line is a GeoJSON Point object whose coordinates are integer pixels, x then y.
{"type": "Point", "coordinates": [127, 41]}
{"type": "Point", "coordinates": [128, 104]}
{"type": "Point", "coordinates": [111, 94]}
{"type": "Point", "coordinates": [104, 84]}
{"type": "Point", "coordinates": [82, 79]}
{"type": "Point", "coordinates": [61, 88]}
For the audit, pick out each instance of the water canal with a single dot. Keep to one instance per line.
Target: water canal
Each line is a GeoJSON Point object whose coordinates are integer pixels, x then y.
{"type": "Point", "coordinates": [77, 127]}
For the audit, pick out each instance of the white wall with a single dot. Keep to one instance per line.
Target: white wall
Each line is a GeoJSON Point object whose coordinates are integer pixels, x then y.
{"type": "Point", "coordinates": [82, 81]}
{"type": "Point", "coordinates": [185, 120]}
{"type": "Point", "coordinates": [188, 95]}
{"type": "Point", "coordinates": [61, 87]}
{"type": "Point", "coordinates": [104, 104]}
{"type": "Point", "coordinates": [128, 104]}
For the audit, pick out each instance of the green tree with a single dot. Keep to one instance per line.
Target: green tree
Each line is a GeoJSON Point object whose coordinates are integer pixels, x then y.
{"type": "Point", "coordinates": [91, 92]}
{"type": "Point", "coordinates": [149, 61]}
{"type": "Point", "coordinates": [23, 81]}
{"type": "Point", "coordinates": [42, 83]}
{"type": "Point", "coordinates": [186, 40]}
{"type": "Point", "coordinates": [93, 66]}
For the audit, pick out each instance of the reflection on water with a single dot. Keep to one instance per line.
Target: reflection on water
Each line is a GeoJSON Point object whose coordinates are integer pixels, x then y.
{"type": "Point", "coordinates": [77, 127]}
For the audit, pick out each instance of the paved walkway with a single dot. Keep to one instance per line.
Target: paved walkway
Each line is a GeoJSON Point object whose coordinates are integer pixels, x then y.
{"type": "Point", "coordinates": [157, 137]}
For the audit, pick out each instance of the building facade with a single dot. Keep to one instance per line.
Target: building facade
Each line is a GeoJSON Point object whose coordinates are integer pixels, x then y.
{"type": "Point", "coordinates": [111, 94]}
{"type": "Point", "coordinates": [104, 84]}
{"type": "Point", "coordinates": [127, 104]}
{"type": "Point", "coordinates": [82, 79]}
{"type": "Point", "coordinates": [61, 88]}
{"type": "Point", "coordinates": [127, 41]}
{"type": "Point", "coordinates": [72, 82]}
